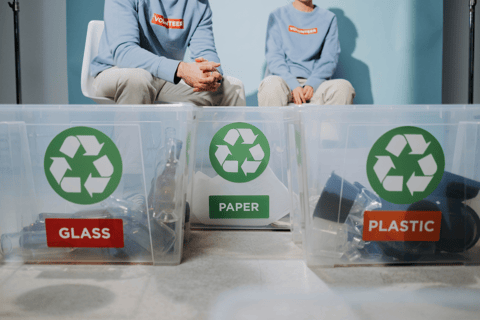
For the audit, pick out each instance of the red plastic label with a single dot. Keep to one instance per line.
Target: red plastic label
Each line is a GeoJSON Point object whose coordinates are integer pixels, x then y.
{"type": "Point", "coordinates": [402, 225]}
{"type": "Point", "coordinates": [84, 233]}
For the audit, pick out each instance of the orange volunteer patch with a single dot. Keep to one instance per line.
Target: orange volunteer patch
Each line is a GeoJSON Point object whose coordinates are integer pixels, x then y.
{"type": "Point", "coordinates": [167, 23]}
{"type": "Point", "coordinates": [302, 31]}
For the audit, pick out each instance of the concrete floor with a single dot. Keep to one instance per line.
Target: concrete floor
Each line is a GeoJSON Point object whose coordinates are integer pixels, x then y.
{"type": "Point", "coordinates": [238, 275]}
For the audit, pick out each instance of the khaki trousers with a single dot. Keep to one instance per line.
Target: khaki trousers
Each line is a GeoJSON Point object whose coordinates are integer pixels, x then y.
{"type": "Point", "coordinates": [274, 92]}
{"type": "Point", "coordinates": [138, 86]}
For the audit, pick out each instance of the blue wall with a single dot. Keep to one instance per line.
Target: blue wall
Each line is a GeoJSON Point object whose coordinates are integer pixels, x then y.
{"type": "Point", "coordinates": [391, 50]}
{"type": "Point", "coordinates": [79, 14]}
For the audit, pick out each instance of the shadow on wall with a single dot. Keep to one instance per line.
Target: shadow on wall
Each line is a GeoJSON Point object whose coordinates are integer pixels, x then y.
{"type": "Point", "coordinates": [349, 68]}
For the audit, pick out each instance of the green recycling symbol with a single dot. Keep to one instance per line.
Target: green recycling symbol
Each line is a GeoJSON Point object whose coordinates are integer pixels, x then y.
{"type": "Point", "coordinates": [239, 152]}
{"type": "Point", "coordinates": [405, 165]}
{"type": "Point", "coordinates": [83, 165]}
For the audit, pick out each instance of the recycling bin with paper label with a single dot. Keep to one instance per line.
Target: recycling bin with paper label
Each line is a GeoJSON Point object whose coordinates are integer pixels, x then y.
{"type": "Point", "coordinates": [95, 184]}
{"type": "Point", "coordinates": [390, 185]}
{"type": "Point", "coordinates": [242, 176]}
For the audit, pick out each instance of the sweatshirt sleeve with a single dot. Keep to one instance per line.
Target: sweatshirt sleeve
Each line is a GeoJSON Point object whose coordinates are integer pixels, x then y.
{"type": "Point", "coordinates": [123, 37]}
{"type": "Point", "coordinates": [326, 65]}
{"type": "Point", "coordinates": [276, 56]}
{"type": "Point", "coordinates": [202, 43]}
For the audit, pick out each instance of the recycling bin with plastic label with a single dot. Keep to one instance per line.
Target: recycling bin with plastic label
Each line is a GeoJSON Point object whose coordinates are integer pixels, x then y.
{"type": "Point", "coordinates": [89, 184]}
{"type": "Point", "coordinates": [390, 185]}
{"type": "Point", "coordinates": [242, 177]}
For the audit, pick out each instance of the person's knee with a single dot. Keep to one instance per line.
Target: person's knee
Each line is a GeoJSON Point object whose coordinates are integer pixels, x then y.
{"type": "Point", "coordinates": [339, 91]}
{"type": "Point", "coordinates": [135, 86]}
{"type": "Point", "coordinates": [271, 83]}
{"type": "Point", "coordinates": [273, 91]}
{"type": "Point", "coordinates": [345, 88]}
{"type": "Point", "coordinates": [138, 80]}
{"type": "Point", "coordinates": [233, 92]}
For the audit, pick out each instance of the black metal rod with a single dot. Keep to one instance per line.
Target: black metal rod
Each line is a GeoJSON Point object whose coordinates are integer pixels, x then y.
{"type": "Point", "coordinates": [472, 51]}
{"type": "Point", "coordinates": [18, 77]}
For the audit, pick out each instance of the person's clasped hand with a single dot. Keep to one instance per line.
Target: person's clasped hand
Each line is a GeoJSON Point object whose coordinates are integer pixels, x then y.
{"type": "Point", "coordinates": [298, 96]}
{"type": "Point", "coordinates": [201, 75]}
{"type": "Point", "coordinates": [308, 93]}
{"type": "Point", "coordinates": [302, 95]}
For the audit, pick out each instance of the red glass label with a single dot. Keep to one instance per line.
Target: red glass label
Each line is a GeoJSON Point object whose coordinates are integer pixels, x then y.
{"type": "Point", "coordinates": [84, 233]}
{"type": "Point", "coordinates": [402, 225]}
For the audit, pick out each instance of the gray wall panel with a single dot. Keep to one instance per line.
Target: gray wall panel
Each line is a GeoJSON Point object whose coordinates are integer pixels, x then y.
{"type": "Point", "coordinates": [43, 48]}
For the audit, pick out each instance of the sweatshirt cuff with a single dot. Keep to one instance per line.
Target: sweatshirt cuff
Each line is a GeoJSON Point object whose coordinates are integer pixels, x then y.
{"type": "Point", "coordinates": [314, 83]}
{"type": "Point", "coordinates": [167, 70]}
{"type": "Point", "coordinates": [292, 83]}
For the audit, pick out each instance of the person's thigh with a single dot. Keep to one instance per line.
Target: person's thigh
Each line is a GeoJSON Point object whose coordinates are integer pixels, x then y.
{"type": "Point", "coordinates": [273, 92]}
{"type": "Point", "coordinates": [230, 94]}
{"type": "Point", "coordinates": [127, 85]}
{"type": "Point", "coordinates": [181, 92]}
{"type": "Point", "coordinates": [334, 92]}
{"type": "Point", "coordinates": [226, 95]}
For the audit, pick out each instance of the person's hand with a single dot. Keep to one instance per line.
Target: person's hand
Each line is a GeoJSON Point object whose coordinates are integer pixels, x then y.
{"type": "Point", "coordinates": [308, 93]}
{"type": "Point", "coordinates": [201, 76]}
{"type": "Point", "coordinates": [215, 73]}
{"type": "Point", "coordinates": [298, 96]}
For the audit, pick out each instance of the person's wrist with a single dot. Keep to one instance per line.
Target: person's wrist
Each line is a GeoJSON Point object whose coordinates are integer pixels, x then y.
{"type": "Point", "coordinates": [180, 69]}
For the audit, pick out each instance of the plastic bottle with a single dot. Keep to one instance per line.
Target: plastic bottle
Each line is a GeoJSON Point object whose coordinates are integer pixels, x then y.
{"type": "Point", "coordinates": [161, 198]}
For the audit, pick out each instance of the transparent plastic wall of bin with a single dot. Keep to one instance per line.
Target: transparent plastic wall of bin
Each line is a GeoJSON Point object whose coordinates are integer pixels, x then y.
{"type": "Point", "coordinates": [374, 190]}
{"type": "Point", "coordinates": [242, 175]}
{"type": "Point", "coordinates": [89, 184]}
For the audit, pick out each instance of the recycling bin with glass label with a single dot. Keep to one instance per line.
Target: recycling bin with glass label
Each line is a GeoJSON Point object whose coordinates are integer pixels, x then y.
{"type": "Point", "coordinates": [95, 184]}
{"type": "Point", "coordinates": [390, 185]}
{"type": "Point", "coordinates": [242, 177]}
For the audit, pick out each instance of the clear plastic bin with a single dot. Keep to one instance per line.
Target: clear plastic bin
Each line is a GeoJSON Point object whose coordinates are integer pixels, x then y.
{"type": "Point", "coordinates": [390, 185]}
{"type": "Point", "coordinates": [242, 175]}
{"type": "Point", "coordinates": [90, 184]}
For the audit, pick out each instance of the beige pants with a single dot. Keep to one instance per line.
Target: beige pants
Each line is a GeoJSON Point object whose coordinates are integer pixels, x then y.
{"type": "Point", "coordinates": [138, 86]}
{"type": "Point", "coordinates": [274, 92]}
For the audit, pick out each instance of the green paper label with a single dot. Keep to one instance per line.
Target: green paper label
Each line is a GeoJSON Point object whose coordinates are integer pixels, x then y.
{"type": "Point", "coordinates": [239, 207]}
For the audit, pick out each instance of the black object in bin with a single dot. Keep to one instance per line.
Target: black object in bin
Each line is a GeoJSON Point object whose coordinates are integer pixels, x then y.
{"type": "Point", "coordinates": [460, 227]}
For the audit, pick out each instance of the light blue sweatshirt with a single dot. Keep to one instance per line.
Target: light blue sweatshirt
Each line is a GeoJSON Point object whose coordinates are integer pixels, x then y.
{"type": "Point", "coordinates": [302, 45]}
{"type": "Point", "coordinates": [154, 35]}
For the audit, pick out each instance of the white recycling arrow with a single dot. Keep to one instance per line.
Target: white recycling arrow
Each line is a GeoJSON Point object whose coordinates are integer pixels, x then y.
{"type": "Point", "coordinates": [71, 185]}
{"type": "Point", "coordinates": [232, 136]}
{"type": "Point", "coordinates": [96, 185]}
{"type": "Point", "coordinates": [250, 166]}
{"type": "Point", "coordinates": [257, 152]}
{"type": "Point", "coordinates": [383, 166]}
{"type": "Point", "coordinates": [91, 145]}
{"type": "Point", "coordinates": [70, 146]}
{"type": "Point", "coordinates": [428, 165]}
{"type": "Point", "coordinates": [222, 153]}
{"type": "Point", "coordinates": [248, 136]}
{"type": "Point", "coordinates": [417, 143]}
{"type": "Point", "coordinates": [393, 183]}
{"type": "Point", "coordinates": [104, 166]}
{"type": "Point", "coordinates": [418, 184]}
{"type": "Point", "coordinates": [59, 167]}
{"type": "Point", "coordinates": [396, 145]}
{"type": "Point", "coordinates": [231, 166]}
